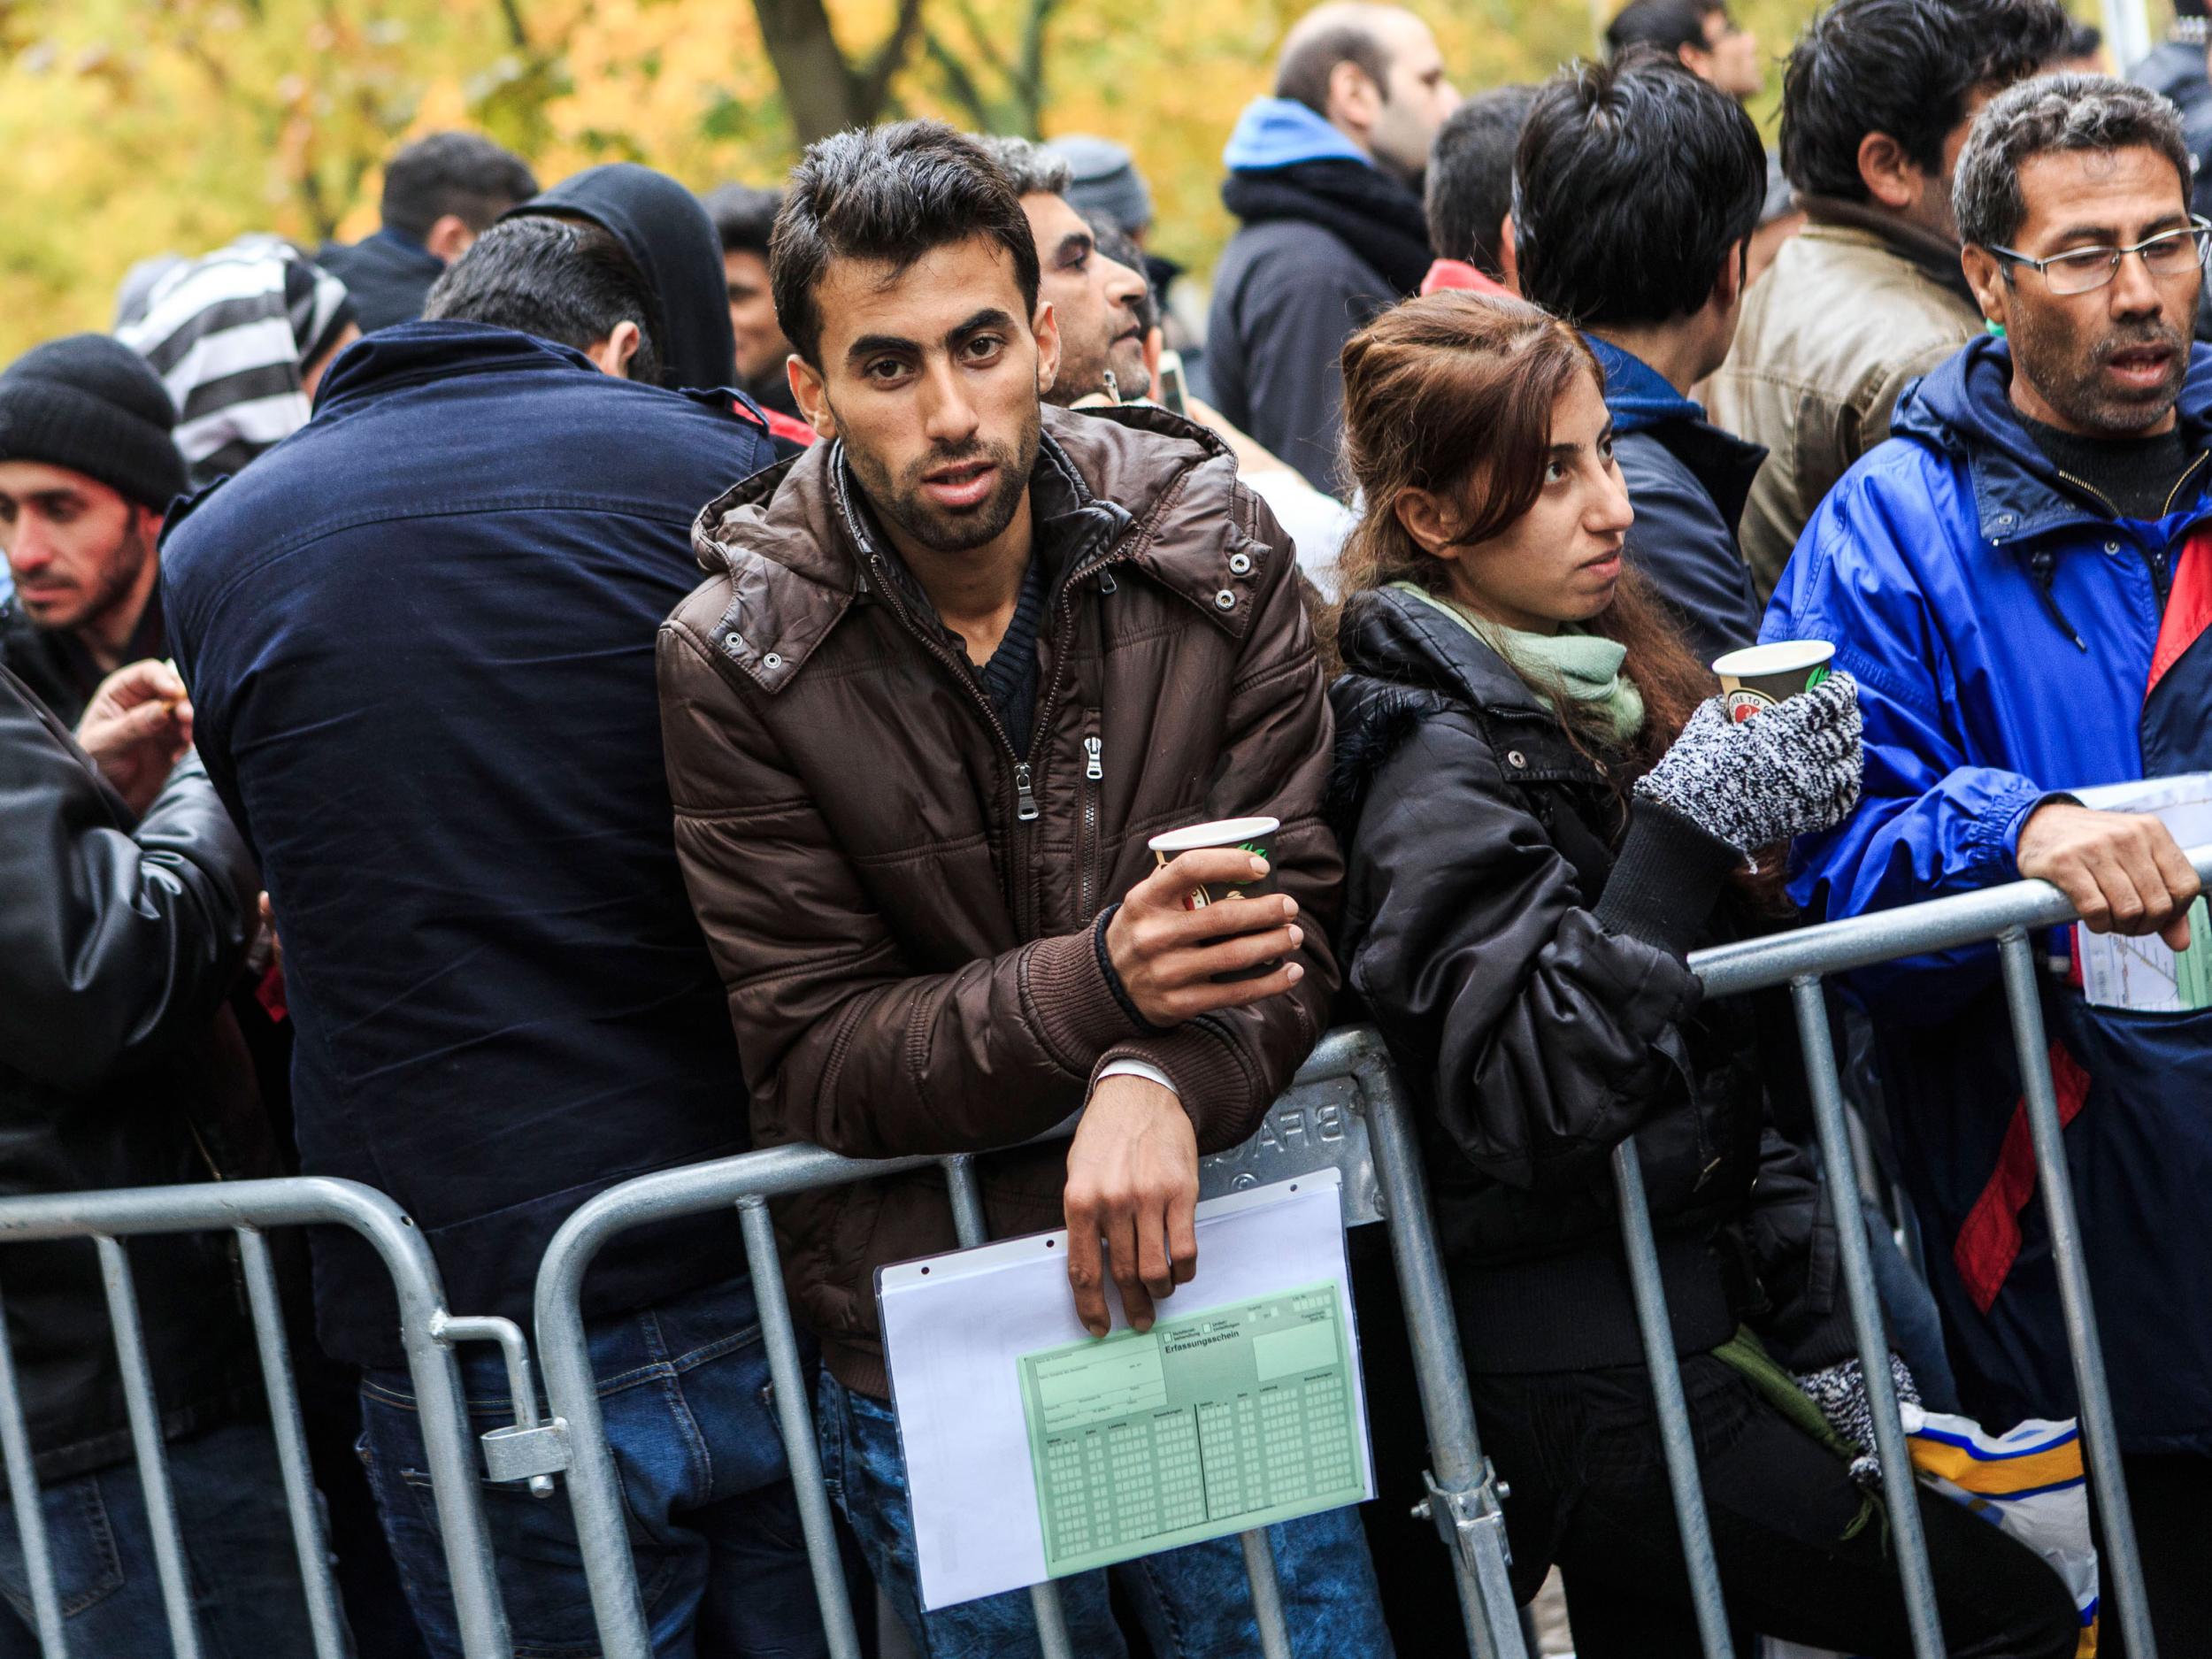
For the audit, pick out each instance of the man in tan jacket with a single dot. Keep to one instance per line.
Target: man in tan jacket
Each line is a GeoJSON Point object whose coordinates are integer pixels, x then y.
{"type": "Point", "coordinates": [953, 667]}
{"type": "Point", "coordinates": [1876, 102]}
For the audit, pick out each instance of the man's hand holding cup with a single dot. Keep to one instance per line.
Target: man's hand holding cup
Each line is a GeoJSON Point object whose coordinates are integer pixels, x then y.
{"type": "Point", "coordinates": [1193, 937]}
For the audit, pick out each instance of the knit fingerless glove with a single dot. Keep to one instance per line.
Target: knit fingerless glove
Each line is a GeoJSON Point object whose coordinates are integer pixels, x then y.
{"type": "Point", "coordinates": [1786, 772]}
{"type": "Point", "coordinates": [1839, 1391]}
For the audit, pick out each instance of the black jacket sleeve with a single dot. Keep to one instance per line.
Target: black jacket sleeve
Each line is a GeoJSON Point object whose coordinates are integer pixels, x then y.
{"type": "Point", "coordinates": [114, 942]}
{"type": "Point", "coordinates": [1683, 546]}
{"type": "Point", "coordinates": [1553, 1016]}
{"type": "Point", "coordinates": [1791, 1236]}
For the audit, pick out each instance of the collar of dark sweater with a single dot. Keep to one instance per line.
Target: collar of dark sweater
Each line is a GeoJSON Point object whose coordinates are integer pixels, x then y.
{"type": "Point", "coordinates": [1378, 218]}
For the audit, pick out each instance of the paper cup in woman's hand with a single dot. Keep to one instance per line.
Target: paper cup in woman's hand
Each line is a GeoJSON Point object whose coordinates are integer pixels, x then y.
{"type": "Point", "coordinates": [1760, 676]}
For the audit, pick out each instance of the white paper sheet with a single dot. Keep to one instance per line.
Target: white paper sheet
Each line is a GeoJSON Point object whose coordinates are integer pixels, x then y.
{"type": "Point", "coordinates": [2143, 974]}
{"type": "Point", "coordinates": [955, 1325]}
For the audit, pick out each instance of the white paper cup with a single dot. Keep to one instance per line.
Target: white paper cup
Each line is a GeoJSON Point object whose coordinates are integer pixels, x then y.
{"type": "Point", "coordinates": [1244, 834]}
{"type": "Point", "coordinates": [1760, 676]}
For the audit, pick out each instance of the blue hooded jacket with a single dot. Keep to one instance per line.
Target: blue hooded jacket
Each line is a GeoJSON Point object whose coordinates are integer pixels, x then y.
{"type": "Point", "coordinates": [2001, 625]}
{"type": "Point", "coordinates": [420, 636]}
{"type": "Point", "coordinates": [1687, 480]}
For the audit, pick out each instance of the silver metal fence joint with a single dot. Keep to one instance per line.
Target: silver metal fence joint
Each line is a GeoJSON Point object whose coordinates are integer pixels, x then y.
{"type": "Point", "coordinates": [1839, 1171]}
{"type": "Point", "coordinates": [325, 1624]}
{"type": "Point", "coordinates": [1675, 1438]}
{"type": "Point", "coordinates": [2101, 1437]}
{"type": "Point", "coordinates": [529, 1449]}
{"type": "Point", "coordinates": [153, 1456]}
{"type": "Point", "coordinates": [30, 1517]}
{"type": "Point", "coordinates": [801, 1450]}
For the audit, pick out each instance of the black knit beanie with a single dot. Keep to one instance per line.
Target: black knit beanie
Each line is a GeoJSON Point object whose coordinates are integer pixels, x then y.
{"type": "Point", "coordinates": [92, 405]}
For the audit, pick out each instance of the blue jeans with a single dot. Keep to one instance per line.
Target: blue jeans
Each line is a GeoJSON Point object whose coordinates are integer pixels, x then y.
{"type": "Point", "coordinates": [1194, 1602]}
{"type": "Point", "coordinates": [689, 1414]}
{"type": "Point", "coordinates": [237, 1544]}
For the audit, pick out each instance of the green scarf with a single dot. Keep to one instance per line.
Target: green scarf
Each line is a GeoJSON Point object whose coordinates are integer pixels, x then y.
{"type": "Point", "coordinates": [1586, 666]}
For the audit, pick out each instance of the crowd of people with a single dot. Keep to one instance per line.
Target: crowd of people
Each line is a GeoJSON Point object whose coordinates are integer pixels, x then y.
{"type": "Point", "coordinates": [591, 680]}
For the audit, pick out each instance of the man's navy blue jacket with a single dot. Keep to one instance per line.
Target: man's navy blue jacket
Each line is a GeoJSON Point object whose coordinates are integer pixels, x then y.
{"type": "Point", "coordinates": [1687, 480]}
{"type": "Point", "coordinates": [419, 638]}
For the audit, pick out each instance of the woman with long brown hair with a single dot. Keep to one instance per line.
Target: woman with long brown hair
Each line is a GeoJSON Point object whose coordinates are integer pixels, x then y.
{"type": "Point", "coordinates": [1544, 808]}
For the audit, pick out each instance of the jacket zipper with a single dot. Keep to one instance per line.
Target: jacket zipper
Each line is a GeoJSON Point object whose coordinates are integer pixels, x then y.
{"type": "Point", "coordinates": [2157, 559]}
{"type": "Point", "coordinates": [1025, 794]}
{"type": "Point", "coordinates": [1028, 785]}
{"type": "Point", "coordinates": [1086, 848]}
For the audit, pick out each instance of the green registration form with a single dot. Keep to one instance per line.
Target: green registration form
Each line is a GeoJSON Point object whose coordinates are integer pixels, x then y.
{"type": "Point", "coordinates": [1215, 1423]}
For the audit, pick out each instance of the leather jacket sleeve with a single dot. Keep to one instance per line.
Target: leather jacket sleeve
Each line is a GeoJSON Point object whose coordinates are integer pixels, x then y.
{"type": "Point", "coordinates": [115, 943]}
{"type": "Point", "coordinates": [1552, 1022]}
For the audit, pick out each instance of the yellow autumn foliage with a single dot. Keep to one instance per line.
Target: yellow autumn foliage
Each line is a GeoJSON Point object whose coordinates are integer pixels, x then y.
{"type": "Point", "coordinates": [132, 127]}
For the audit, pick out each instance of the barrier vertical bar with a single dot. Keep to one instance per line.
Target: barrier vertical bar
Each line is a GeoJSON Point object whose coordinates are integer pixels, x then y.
{"type": "Point", "coordinates": [1675, 1439]}
{"type": "Point", "coordinates": [1267, 1594]}
{"type": "Point", "coordinates": [2099, 1436]}
{"type": "Point", "coordinates": [30, 1517]}
{"type": "Point", "coordinates": [796, 1421]}
{"type": "Point", "coordinates": [968, 1224]}
{"type": "Point", "coordinates": [1463, 1497]}
{"type": "Point", "coordinates": [153, 1458]}
{"type": "Point", "coordinates": [595, 1488]}
{"type": "Point", "coordinates": [300, 1499]}
{"type": "Point", "coordinates": [1840, 1170]}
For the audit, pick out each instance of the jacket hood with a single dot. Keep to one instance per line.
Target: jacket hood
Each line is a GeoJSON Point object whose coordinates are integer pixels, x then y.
{"type": "Point", "coordinates": [407, 353]}
{"type": "Point", "coordinates": [1637, 395]}
{"type": "Point", "coordinates": [1387, 635]}
{"type": "Point", "coordinates": [674, 243]}
{"type": "Point", "coordinates": [784, 538]}
{"type": "Point", "coordinates": [1963, 409]}
{"type": "Point", "coordinates": [1405, 661]}
{"type": "Point", "coordinates": [1281, 133]}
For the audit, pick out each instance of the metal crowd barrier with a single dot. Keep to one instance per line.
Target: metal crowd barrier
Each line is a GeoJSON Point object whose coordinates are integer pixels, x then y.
{"type": "Point", "coordinates": [1800, 960]}
{"type": "Point", "coordinates": [246, 1209]}
{"type": "Point", "coordinates": [1343, 1109]}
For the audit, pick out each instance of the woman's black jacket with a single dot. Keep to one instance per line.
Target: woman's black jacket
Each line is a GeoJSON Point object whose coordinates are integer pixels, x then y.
{"type": "Point", "coordinates": [1520, 939]}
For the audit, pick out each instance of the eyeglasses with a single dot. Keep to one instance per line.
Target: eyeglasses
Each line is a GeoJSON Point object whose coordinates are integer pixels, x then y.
{"type": "Point", "coordinates": [2081, 270]}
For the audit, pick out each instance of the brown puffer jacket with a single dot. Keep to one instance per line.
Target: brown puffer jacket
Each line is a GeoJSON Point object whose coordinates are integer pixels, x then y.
{"type": "Point", "coordinates": [905, 916]}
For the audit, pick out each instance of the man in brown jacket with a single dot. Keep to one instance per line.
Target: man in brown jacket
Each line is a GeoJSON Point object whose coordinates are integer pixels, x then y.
{"type": "Point", "coordinates": [952, 668]}
{"type": "Point", "coordinates": [1869, 296]}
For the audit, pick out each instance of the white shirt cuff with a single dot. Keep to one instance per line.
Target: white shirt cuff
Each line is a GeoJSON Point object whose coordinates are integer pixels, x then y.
{"type": "Point", "coordinates": [1144, 1068]}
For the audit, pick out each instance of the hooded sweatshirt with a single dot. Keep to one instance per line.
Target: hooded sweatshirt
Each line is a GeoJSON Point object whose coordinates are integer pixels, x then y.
{"type": "Point", "coordinates": [1328, 240]}
{"type": "Point", "coordinates": [231, 336]}
{"type": "Point", "coordinates": [668, 233]}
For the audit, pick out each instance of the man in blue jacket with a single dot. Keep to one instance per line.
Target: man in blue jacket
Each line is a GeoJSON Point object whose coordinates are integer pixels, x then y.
{"type": "Point", "coordinates": [1637, 185]}
{"type": "Point", "coordinates": [2020, 579]}
{"type": "Point", "coordinates": [419, 639]}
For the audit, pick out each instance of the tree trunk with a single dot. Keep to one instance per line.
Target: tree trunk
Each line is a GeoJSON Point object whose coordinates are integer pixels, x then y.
{"type": "Point", "coordinates": [818, 86]}
{"type": "Point", "coordinates": [825, 91]}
